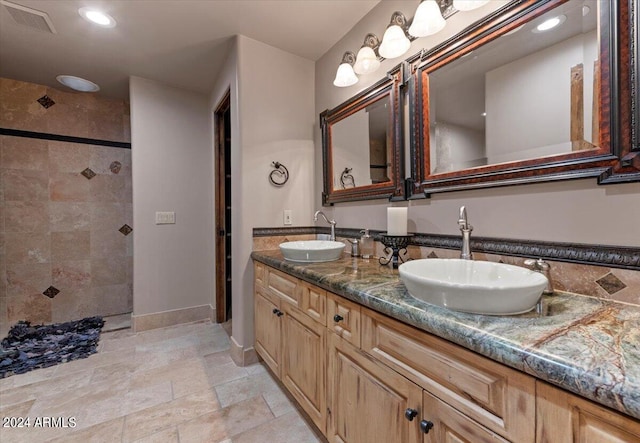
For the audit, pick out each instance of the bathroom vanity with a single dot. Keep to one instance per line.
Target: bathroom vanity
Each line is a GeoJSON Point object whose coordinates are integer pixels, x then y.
{"type": "Point", "coordinates": [369, 363]}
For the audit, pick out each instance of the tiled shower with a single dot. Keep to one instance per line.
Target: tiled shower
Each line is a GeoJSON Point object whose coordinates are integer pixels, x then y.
{"type": "Point", "coordinates": [66, 228]}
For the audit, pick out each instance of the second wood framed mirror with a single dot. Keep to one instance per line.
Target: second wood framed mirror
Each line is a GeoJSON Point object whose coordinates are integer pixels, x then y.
{"type": "Point", "coordinates": [362, 144]}
{"type": "Point", "coordinates": [537, 91]}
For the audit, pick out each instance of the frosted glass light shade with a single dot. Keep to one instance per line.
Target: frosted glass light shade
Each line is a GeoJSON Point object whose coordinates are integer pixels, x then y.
{"type": "Point", "coordinates": [428, 19]}
{"type": "Point", "coordinates": [468, 5]}
{"type": "Point", "coordinates": [366, 61]}
{"type": "Point", "coordinates": [345, 76]}
{"type": "Point", "coordinates": [394, 43]}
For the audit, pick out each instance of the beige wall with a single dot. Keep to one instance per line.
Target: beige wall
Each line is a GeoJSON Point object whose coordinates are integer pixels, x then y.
{"type": "Point", "coordinates": [172, 171]}
{"type": "Point", "coordinates": [272, 109]}
{"type": "Point", "coordinates": [58, 228]}
{"type": "Point", "coordinates": [577, 211]}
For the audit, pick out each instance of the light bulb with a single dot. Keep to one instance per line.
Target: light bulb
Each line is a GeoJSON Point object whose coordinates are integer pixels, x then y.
{"type": "Point", "coordinates": [427, 20]}
{"type": "Point", "coordinates": [366, 61]}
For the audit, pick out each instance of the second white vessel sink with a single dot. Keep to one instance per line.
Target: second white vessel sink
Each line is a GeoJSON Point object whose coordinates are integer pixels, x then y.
{"type": "Point", "coordinates": [478, 287]}
{"type": "Point", "coordinates": [312, 251]}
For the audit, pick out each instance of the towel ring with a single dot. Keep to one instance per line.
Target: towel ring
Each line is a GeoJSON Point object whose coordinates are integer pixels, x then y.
{"type": "Point", "coordinates": [279, 175]}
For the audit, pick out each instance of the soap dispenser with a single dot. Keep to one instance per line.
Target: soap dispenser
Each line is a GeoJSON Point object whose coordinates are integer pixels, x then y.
{"type": "Point", "coordinates": [366, 244]}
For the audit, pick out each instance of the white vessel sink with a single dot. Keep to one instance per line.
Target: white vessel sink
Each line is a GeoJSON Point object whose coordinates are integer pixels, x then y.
{"type": "Point", "coordinates": [478, 287]}
{"type": "Point", "coordinates": [312, 251]}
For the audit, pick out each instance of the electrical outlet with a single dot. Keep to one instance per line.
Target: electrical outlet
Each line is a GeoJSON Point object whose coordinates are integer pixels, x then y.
{"type": "Point", "coordinates": [165, 218]}
{"type": "Point", "coordinates": [287, 217]}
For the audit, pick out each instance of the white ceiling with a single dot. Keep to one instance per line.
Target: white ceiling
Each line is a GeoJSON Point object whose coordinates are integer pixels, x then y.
{"type": "Point", "coordinates": [179, 42]}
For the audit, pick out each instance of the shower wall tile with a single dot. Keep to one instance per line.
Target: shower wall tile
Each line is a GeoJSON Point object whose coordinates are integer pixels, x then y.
{"type": "Point", "coordinates": [109, 271]}
{"type": "Point", "coordinates": [22, 248]}
{"type": "Point", "coordinates": [107, 243]}
{"type": "Point", "coordinates": [71, 276]}
{"type": "Point", "coordinates": [57, 228]}
{"type": "Point", "coordinates": [23, 153]}
{"type": "Point", "coordinates": [27, 279]}
{"type": "Point", "coordinates": [26, 216]}
{"type": "Point", "coordinates": [68, 157]}
{"type": "Point", "coordinates": [35, 308]}
{"type": "Point", "coordinates": [25, 185]}
{"type": "Point", "coordinates": [107, 188]}
{"type": "Point", "coordinates": [69, 216]}
{"type": "Point", "coordinates": [69, 187]}
{"type": "Point", "coordinates": [113, 299]}
{"type": "Point", "coordinates": [71, 245]}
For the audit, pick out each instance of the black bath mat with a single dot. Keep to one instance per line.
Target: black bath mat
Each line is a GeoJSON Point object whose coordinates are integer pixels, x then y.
{"type": "Point", "coordinates": [29, 347]}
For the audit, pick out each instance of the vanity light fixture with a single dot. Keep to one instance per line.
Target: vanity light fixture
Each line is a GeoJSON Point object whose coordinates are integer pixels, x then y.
{"type": "Point", "coordinates": [367, 60]}
{"type": "Point", "coordinates": [345, 76]}
{"type": "Point", "coordinates": [97, 17]}
{"type": "Point", "coordinates": [427, 20]}
{"type": "Point", "coordinates": [468, 5]}
{"type": "Point", "coordinates": [77, 83]}
{"type": "Point", "coordinates": [395, 42]}
{"type": "Point", "coordinates": [549, 24]}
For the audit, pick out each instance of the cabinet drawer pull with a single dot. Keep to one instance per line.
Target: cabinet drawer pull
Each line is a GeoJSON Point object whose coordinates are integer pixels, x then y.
{"type": "Point", "coordinates": [278, 312]}
{"type": "Point", "coordinates": [426, 426]}
{"type": "Point", "coordinates": [338, 318]}
{"type": "Point", "coordinates": [410, 414]}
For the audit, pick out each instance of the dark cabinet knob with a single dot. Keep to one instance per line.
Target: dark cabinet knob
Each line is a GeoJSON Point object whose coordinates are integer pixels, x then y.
{"type": "Point", "coordinates": [410, 414]}
{"type": "Point", "coordinates": [338, 318]}
{"type": "Point", "coordinates": [426, 426]}
{"type": "Point", "coordinates": [278, 312]}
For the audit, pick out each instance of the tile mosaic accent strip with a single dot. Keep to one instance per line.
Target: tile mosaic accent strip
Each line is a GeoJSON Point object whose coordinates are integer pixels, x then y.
{"type": "Point", "coordinates": [611, 283]}
{"type": "Point", "coordinates": [63, 138]}
{"type": "Point", "coordinates": [51, 292]}
{"type": "Point", "coordinates": [46, 101]}
{"type": "Point", "coordinates": [115, 167]}
{"type": "Point", "coordinates": [88, 173]}
{"type": "Point", "coordinates": [126, 229]}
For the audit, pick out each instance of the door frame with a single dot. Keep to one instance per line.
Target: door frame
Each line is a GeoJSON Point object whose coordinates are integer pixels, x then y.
{"type": "Point", "coordinates": [220, 207]}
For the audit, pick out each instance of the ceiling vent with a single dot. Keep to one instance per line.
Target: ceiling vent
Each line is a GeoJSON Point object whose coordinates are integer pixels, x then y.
{"type": "Point", "coordinates": [31, 18]}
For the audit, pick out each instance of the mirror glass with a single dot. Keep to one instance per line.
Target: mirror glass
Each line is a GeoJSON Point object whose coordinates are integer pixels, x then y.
{"type": "Point", "coordinates": [530, 93]}
{"type": "Point", "coordinates": [362, 144]}
{"type": "Point", "coordinates": [362, 147]}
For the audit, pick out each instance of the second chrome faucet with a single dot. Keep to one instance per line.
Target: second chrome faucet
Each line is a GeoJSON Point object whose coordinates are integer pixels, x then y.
{"type": "Point", "coordinates": [465, 228]}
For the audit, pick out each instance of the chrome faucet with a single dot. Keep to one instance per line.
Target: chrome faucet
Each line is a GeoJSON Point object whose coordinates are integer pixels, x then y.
{"type": "Point", "coordinates": [466, 229]}
{"type": "Point", "coordinates": [541, 266]}
{"type": "Point", "coordinates": [331, 222]}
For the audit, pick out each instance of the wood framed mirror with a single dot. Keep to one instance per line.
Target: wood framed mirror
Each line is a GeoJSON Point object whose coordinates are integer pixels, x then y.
{"type": "Point", "coordinates": [508, 101]}
{"type": "Point", "coordinates": [362, 144]}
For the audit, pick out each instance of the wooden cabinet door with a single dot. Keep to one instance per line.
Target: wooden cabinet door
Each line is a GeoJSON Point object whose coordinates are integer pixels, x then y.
{"type": "Point", "coordinates": [367, 401]}
{"type": "Point", "coordinates": [343, 318]}
{"type": "Point", "coordinates": [567, 418]}
{"type": "Point", "coordinates": [268, 330]}
{"type": "Point", "coordinates": [447, 424]}
{"type": "Point", "coordinates": [304, 356]}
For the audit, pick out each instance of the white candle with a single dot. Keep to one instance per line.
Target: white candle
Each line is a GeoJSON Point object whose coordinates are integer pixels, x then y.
{"type": "Point", "coordinates": [397, 221]}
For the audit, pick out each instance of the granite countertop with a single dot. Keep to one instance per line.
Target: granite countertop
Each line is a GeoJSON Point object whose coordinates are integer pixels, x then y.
{"type": "Point", "coordinates": [585, 345]}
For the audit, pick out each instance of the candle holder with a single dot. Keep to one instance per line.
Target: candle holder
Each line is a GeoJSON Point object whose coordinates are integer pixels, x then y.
{"type": "Point", "coordinates": [394, 244]}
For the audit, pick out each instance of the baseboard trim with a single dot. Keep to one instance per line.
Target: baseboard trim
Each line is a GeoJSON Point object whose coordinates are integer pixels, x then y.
{"type": "Point", "coordinates": [242, 356]}
{"type": "Point", "coordinates": [173, 317]}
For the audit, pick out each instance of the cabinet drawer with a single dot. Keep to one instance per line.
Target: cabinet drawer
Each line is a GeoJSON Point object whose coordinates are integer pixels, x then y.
{"type": "Point", "coordinates": [343, 318]}
{"type": "Point", "coordinates": [282, 285]}
{"type": "Point", "coordinates": [499, 398]}
{"type": "Point", "coordinates": [258, 274]}
{"type": "Point", "coordinates": [313, 302]}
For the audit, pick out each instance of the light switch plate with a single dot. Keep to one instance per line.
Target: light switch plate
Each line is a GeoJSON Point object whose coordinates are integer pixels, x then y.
{"type": "Point", "coordinates": [165, 218]}
{"type": "Point", "coordinates": [287, 217]}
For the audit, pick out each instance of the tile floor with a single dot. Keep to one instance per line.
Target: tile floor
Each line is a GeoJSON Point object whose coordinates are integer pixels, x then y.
{"type": "Point", "coordinates": [175, 384]}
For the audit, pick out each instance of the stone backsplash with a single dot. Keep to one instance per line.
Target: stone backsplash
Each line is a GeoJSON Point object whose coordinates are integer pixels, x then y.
{"type": "Point", "coordinates": [612, 283]}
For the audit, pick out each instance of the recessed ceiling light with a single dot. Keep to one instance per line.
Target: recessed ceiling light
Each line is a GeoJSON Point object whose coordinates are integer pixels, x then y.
{"type": "Point", "coordinates": [97, 17]}
{"type": "Point", "coordinates": [77, 83]}
{"type": "Point", "coordinates": [549, 24]}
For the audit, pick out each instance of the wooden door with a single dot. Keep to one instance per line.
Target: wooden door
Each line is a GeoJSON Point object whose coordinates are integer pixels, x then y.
{"type": "Point", "coordinates": [368, 401]}
{"type": "Point", "coordinates": [566, 418]}
{"type": "Point", "coordinates": [304, 366]}
{"type": "Point", "coordinates": [268, 330]}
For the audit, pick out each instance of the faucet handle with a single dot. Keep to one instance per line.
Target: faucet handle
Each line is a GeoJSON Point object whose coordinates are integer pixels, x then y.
{"type": "Point", "coordinates": [355, 247]}
{"type": "Point", "coordinates": [541, 266]}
